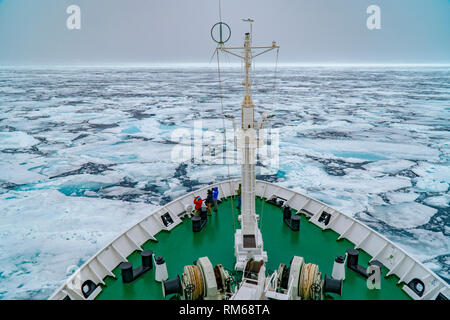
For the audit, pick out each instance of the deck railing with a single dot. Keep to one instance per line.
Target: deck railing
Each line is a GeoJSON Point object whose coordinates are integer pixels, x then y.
{"type": "Point", "coordinates": [396, 260]}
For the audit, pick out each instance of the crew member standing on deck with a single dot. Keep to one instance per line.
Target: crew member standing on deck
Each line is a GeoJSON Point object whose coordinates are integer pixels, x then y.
{"type": "Point", "coordinates": [239, 197]}
{"type": "Point", "coordinates": [209, 201]}
{"type": "Point", "coordinates": [198, 204]}
{"type": "Point", "coordinates": [215, 197]}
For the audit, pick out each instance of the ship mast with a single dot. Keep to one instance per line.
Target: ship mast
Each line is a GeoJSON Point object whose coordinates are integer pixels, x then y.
{"type": "Point", "coordinates": [248, 240]}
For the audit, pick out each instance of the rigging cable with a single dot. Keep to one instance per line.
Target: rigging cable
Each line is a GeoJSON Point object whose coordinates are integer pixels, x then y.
{"type": "Point", "coordinates": [223, 122]}
{"type": "Point", "coordinates": [273, 100]}
{"type": "Point", "coordinates": [225, 135]}
{"type": "Point", "coordinates": [275, 73]}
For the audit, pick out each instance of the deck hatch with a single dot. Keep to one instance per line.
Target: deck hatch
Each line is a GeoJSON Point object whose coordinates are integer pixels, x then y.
{"type": "Point", "coordinates": [325, 218]}
{"type": "Point", "coordinates": [249, 241]}
{"type": "Point", "coordinates": [167, 219]}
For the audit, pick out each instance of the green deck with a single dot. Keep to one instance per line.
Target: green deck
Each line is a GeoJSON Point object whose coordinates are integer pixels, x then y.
{"type": "Point", "coordinates": [182, 247]}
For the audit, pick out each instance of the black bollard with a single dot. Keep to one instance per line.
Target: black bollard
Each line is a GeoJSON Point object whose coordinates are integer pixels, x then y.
{"type": "Point", "coordinates": [204, 214]}
{"type": "Point", "coordinates": [147, 262]}
{"type": "Point", "coordinates": [196, 224]}
{"type": "Point", "coordinates": [127, 272]}
{"type": "Point", "coordinates": [352, 259]}
{"type": "Point", "coordinates": [352, 262]}
{"type": "Point", "coordinates": [295, 223]}
{"type": "Point", "coordinates": [287, 213]}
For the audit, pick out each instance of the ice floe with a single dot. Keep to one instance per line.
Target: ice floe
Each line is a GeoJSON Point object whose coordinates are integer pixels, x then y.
{"type": "Point", "coordinates": [16, 140]}
{"type": "Point", "coordinates": [400, 197]}
{"type": "Point", "coordinates": [389, 166]}
{"type": "Point", "coordinates": [77, 159]}
{"type": "Point", "coordinates": [43, 232]}
{"type": "Point", "coordinates": [439, 201]}
{"type": "Point", "coordinates": [404, 215]}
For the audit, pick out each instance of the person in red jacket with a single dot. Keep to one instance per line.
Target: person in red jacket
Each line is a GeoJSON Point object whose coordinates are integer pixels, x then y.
{"type": "Point", "coordinates": [198, 204]}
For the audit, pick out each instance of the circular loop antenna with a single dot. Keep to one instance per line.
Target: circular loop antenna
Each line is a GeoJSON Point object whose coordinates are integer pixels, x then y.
{"type": "Point", "coordinates": [222, 26]}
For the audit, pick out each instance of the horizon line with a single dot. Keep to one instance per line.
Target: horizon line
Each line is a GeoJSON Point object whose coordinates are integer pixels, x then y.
{"type": "Point", "coordinates": [225, 65]}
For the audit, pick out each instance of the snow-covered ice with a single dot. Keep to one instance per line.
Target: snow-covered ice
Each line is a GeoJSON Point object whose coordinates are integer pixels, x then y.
{"type": "Point", "coordinates": [85, 153]}
{"type": "Point", "coordinates": [404, 215]}
{"type": "Point", "coordinates": [16, 140]}
{"type": "Point", "coordinates": [43, 233]}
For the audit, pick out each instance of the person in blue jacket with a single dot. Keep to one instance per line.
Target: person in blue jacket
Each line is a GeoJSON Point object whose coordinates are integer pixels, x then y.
{"type": "Point", "coordinates": [239, 197]}
{"type": "Point", "coordinates": [215, 195]}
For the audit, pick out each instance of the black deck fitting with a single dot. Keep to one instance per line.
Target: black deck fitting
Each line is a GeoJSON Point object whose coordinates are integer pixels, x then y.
{"type": "Point", "coordinates": [325, 218]}
{"type": "Point", "coordinates": [277, 201]}
{"type": "Point", "coordinates": [352, 263]}
{"type": "Point", "coordinates": [129, 275]}
{"type": "Point", "coordinates": [292, 221]}
{"type": "Point", "coordinates": [199, 222]}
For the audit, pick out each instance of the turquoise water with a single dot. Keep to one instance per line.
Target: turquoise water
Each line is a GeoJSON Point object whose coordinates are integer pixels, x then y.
{"type": "Point", "coordinates": [80, 163]}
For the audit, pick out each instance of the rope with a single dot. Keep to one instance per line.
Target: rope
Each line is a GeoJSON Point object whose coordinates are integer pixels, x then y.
{"type": "Point", "coordinates": [192, 277]}
{"type": "Point", "coordinates": [275, 82]}
{"type": "Point", "coordinates": [223, 117]}
{"type": "Point", "coordinates": [262, 214]}
{"type": "Point", "coordinates": [308, 278]}
{"type": "Point", "coordinates": [225, 135]}
{"type": "Point", "coordinates": [273, 100]}
{"type": "Point", "coordinates": [276, 71]}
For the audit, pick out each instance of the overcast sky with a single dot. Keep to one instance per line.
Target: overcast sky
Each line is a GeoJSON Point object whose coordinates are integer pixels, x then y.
{"type": "Point", "coordinates": [153, 31]}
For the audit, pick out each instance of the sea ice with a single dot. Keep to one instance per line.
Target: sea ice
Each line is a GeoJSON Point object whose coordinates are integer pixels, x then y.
{"type": "Point", "coordinates": [404, 215]}
{"type": "Point", "coordinates": [16, 140]}
{"type": "Point", "coordinates": [401, 197]}
{"type": "Point", "coordinates": [389, 166]}
{"type": "Point", "coordinates": [424, 244]}
{"type": "Point", "coordinates": [354, 138]}
{"type": "Point", "coordinates": [432, 185]}
{"type": "Point", "coordinates": [439, 201]}
{"type": "Point", "coordinates": [47, 231]}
